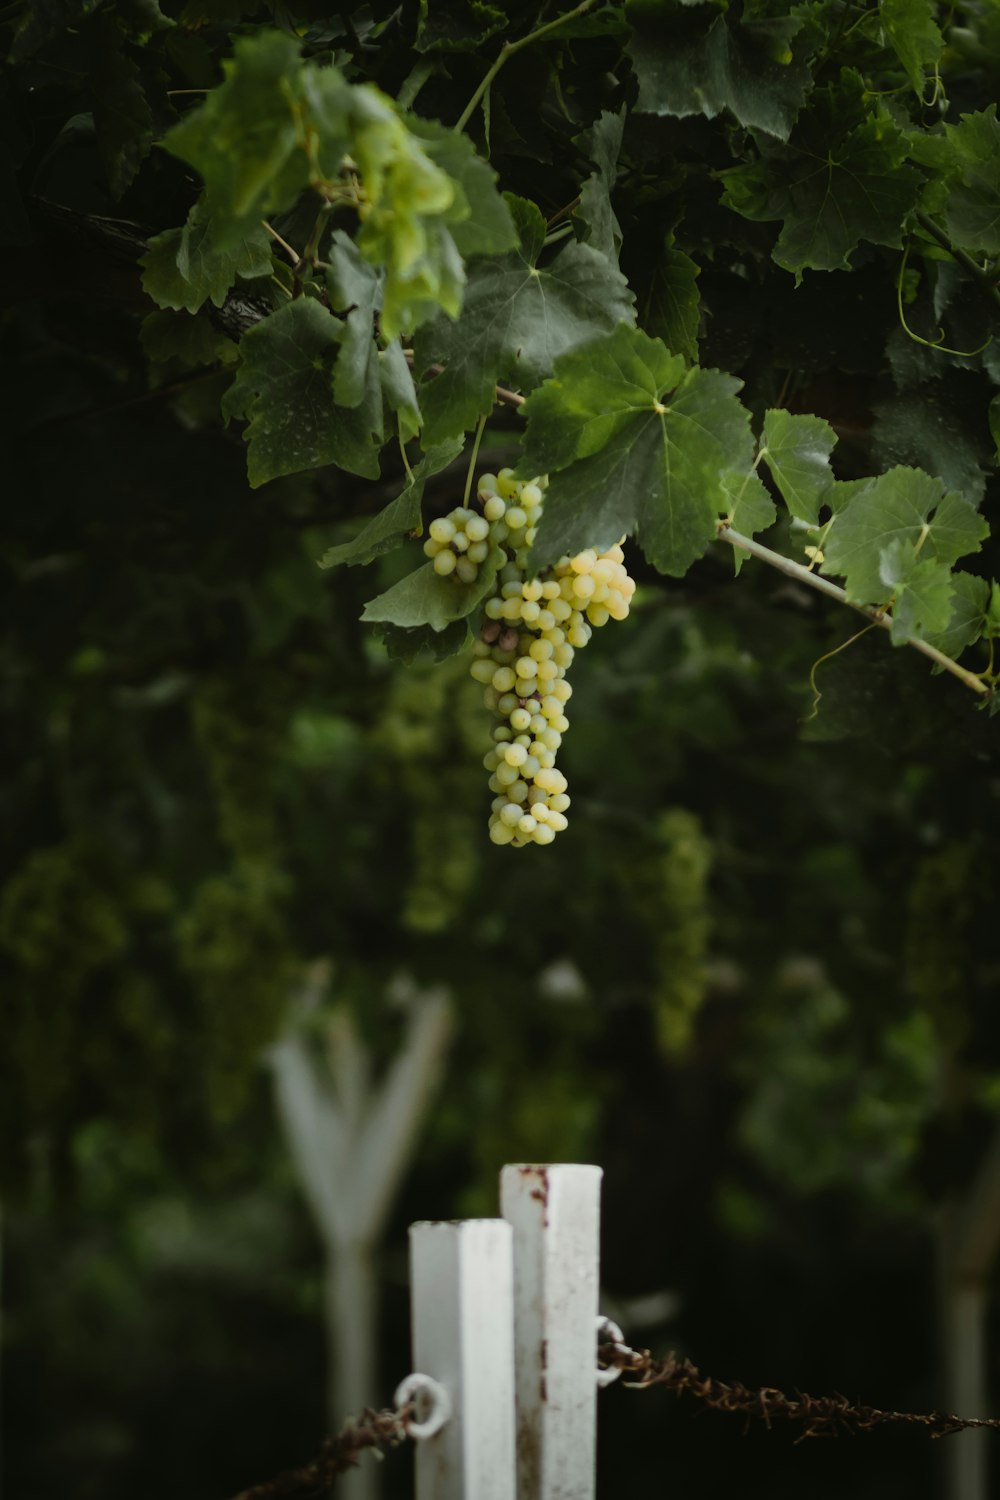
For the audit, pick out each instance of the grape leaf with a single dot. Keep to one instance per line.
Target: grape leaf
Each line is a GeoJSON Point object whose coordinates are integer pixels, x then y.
{"type": "Point", "coordinates": [969, 596]}
{"type": "Point", "coordinates": [921, 590]}
{"type": "Point", "coordinates": [840, 179]}
{"type": "Point", "coordinates": [184, 268]}
{"type": "Point", "coordinates": [479, 220]}
{"type": "Point", "coordinates": [902, 504]}
{"type": "Point", "coordinates": [44, 19]}
{"type": "Point", "coordinates": [691, 60]}
{"type": "Point", "coordinates": [284, 387]}
{"type": "Point", "coordinates": [396, 381]}
{"type": "Point", "coordinates": [516, 320]}
{"type": "Point", "coordinates": [244, 138]}
{"type": "Point", "coordinates": [633, 441]}
{"type": "Point", "coordinates": [913, 34]}
{"type": "Point", "coordinates": [397, 519]}
{"type": "Point", "coordinates": [993, 612]}
{"type": "Point", "coordinates": [747, 507]}
{"type": "Point", "coordinates": [409, 646]}
{"type": "Point", "coordinates": [355, 292]}
{"type": "Point", "coordinates": [964, 185]}
{"type": "Point", "coordinates": [178, 336]}
{"type": "Point", "coordinates": [123, 119]}
{"type": "Point", "coordinates": [355, 289]}
{"type": "Point", "coordinates": [671, 306]}
{"type": "Point", "coordinates": [423, 597]}
{"type": "Point", "coordinates": [458, 26]}
{"type": "Point", "coordinates": [602, 144]}
{"type": "Point", "coordinates": [797, 451]}
{"type": "Point", "coordinates": [930, 427]}
{"type": "Point", "coordinates": [410, 203]}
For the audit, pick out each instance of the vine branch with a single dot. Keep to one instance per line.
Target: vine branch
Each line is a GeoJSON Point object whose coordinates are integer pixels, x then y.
{"type": "Point", "coordinates": [507, 51]}
{"type": "Point", "coordinates": [823, 585]}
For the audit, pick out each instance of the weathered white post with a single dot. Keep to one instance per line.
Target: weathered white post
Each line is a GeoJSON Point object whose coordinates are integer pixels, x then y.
{"type": "Point", "coordinates": [555, 1215]}
{"type": "Point", "coordinates": [462, 1314]}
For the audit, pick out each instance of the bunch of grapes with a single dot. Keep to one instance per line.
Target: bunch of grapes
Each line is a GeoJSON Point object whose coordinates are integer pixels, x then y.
{"type": "Point", "coordinates": [458, 542]}
{"type": "Point", "coordinates": [532, 628]}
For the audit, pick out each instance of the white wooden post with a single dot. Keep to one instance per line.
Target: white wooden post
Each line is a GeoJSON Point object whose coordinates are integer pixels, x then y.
{"type": "Point", "coordinates": [462, 1313]}
{"type": "Point", "coordinates": [554, 1212]}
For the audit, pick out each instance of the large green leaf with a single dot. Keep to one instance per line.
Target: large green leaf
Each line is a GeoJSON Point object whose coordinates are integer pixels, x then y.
{"type": "Point", "coordinates": [397, 519]}
{"type": "Point", "coordinates": [634, 442]}
{"type": "Point", "coordinates": [691, 60]}
{"type": "Point", "coordinates": [797, 451]}
{"type": "Point", "coordinates": [517, 319]}
{"type": "Point", "coordinates": [478, 219]}
{"type": "Point", "coordinates": [902, 505]}
{"type": "Point", "coordinates": [244, 138]}
{"type": "Point", "coordinates": [284, 388]}
{"type": "Point", "coordinates": [840, 179]}
{"type": "Point", "coordinates": [185, 268]}
{"type": "Point", "coordinates": [423, 597]}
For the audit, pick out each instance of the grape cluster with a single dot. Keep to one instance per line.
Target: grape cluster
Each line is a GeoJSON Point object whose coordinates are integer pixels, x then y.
{"type": "Point", "coordinates": [532, 628]}
{"type": "Point", "coordinates": [458, 542]}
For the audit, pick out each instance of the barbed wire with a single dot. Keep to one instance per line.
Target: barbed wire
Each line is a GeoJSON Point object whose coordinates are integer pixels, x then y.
{"type": "Point", "coordinates": [820, 1416]}
{"type": "Point", "coordinates": [378, 1430]}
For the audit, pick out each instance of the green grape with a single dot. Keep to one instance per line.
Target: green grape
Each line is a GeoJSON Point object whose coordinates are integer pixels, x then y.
{"type": "Point", "coordinates": [531, 629]}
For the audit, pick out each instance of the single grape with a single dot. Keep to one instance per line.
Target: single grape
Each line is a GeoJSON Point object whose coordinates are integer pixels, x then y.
{"type": "Point", "coordinates": [442, 530]}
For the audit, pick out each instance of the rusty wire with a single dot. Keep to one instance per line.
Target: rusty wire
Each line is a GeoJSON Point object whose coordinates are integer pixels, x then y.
{"type": "Point", "coordinates": [380, 1430]}
{"type": "Point", "coordinates": [820, 1416]}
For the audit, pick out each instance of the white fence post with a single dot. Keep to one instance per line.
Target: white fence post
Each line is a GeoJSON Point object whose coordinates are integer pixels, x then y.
{"type": "Point", "coordinates": [554, 1212]}
{"type": "Point", "coordinates": [463, 1338]}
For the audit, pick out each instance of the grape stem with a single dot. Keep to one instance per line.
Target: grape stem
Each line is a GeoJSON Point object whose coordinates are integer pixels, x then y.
{"type": "Point", "coordinates": [507, 51]}
{"type": "Point", "coordinates": [823, 585]}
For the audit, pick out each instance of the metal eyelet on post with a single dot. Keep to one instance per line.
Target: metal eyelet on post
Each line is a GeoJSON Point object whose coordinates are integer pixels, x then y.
{"type": "Point", "coordinates": [609, 1333]}
{"type": "Point", "coordinates": [429, 1401]}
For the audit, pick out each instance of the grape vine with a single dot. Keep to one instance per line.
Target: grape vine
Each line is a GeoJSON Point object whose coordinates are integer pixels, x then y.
{"type": "Point", "coordinates": [378, 264]}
